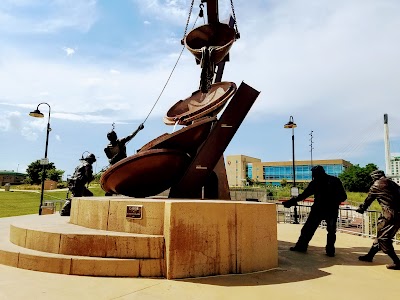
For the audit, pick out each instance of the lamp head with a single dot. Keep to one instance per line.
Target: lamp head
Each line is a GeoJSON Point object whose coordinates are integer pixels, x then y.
{"type": "Point", "coordinates": [36, 113]}
{"type": "Point", "coordinates": [290, 124]}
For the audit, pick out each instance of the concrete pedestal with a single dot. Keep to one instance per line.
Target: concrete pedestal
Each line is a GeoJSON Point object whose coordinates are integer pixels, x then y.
{"type": "Point", "coordinates": [202, 238]}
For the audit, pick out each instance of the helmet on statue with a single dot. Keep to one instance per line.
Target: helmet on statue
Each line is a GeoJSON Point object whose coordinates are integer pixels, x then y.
{"type": "Point", "coordinates": [377, 174]}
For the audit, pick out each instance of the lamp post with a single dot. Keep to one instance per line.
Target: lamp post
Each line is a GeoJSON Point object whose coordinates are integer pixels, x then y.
{"type": "Point", "coordinates": [291, 124]}
{"type": "Point", "coordinates": [37, 114]}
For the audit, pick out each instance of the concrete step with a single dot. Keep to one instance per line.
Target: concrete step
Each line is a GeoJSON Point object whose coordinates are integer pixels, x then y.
{"type": "Point", "coordinates": [54, 234]}
{"type": "Point", "coordinates": [24, 258]}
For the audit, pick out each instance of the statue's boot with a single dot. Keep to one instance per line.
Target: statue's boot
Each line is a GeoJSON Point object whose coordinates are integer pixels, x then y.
{"type": "Point", "coordinates": [396, 261]}
{"type": "Point", "coordinates": [66, 210]}
{"type": "Point", "coordinates": [370, 255]}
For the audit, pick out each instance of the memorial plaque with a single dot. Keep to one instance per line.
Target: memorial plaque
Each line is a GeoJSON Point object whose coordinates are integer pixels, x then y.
{"type": "Point", "coordinates": [134, 211]}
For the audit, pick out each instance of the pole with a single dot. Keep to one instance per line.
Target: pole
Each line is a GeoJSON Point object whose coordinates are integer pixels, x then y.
{"type": "Point", "coordinates": [294, 169]}
{"type": "Point", "coordinates": [296, 216]}
{"type": "Point", "coordinates": [44, 165]}
{"type": "Point", "coordinates": [311, 146]}
{"type": "Point", "coordinates": [388, 170]}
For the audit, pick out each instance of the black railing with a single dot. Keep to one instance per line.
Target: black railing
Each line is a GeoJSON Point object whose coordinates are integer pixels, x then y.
{"type": "Point", "coordinates": [348, 221]}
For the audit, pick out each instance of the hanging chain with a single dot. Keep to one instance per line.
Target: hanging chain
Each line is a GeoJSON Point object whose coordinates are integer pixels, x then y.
{"type": "Point", "coordinates": [187, 22]}
{"type": "Point", "coordinates": [234, 18]}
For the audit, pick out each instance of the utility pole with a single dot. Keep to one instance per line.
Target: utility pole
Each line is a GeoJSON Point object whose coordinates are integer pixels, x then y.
{"type": "Point", "coordinates": [311, 146]}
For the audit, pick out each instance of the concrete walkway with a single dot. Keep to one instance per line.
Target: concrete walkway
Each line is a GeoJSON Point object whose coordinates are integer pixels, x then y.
{"type": "Point", "coordinates": [299, 276]}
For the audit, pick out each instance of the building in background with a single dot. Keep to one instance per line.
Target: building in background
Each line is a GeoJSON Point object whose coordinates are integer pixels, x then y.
{"type": "Point", "coordinates": [394, 167]}
{"type": "Point", "coordinates": [11, 177]}
{"type": "Point", "coordinates": [241, 168]}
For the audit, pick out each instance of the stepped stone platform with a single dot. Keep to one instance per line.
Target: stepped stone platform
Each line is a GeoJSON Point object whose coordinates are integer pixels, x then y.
{"type": "Point", "coordinates": [50, 244]}
{"type": "Point", "coordinates": [171, 239]}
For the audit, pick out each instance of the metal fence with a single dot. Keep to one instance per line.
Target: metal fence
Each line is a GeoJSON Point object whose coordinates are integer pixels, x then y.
{"type": "Point", "coordinates": [349, 221]}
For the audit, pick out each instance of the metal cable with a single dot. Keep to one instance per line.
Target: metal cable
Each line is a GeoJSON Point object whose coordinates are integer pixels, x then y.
{"type": "Point", "coordinates": [173, 69]}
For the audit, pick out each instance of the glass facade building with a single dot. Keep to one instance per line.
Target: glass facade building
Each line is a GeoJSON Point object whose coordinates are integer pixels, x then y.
{"type": "Point", "coordinates": [303, 172]}
{"type": "Point", "coordinates": [240, 167]}
{"type": "Point", "coordinates": [249, 170]}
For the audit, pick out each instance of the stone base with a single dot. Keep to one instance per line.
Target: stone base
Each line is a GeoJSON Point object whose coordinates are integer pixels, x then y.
{"type": "Point", "coordinates": [202, 238]}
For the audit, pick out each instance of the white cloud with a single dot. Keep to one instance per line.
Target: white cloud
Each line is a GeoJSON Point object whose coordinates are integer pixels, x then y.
{"type": "Point", "coordinates": [10, 120]}
{"type": "Point", "coordinates": [146, 22]}
{"type": "Point", "coordinates": [69, 51]}
{"type": "Point", "coordinates": [17, 123]}
{"type": "Point", "coordinates": [29, 134]}
{"type": "Point", "coordinates": [89, 92]}
{"type": "Point", "coordinates": [176, 11]}
{"type": "Point", "coordinates": [115, 72]}
{"type": "Point", "coordinates": [50, 16]}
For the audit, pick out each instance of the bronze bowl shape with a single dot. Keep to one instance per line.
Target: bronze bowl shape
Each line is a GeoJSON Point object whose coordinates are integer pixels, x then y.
{"type": "Point", "coordinates": [200, 104]}
{"type": "Point", "coordinates": [187, 139]}
{"type": "Point", "coordinates": [218, 35]}
{"type": "Point", "coordinates": [145, 174]}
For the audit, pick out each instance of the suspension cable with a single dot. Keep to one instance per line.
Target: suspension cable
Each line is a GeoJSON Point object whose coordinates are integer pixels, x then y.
{"type": "Point", "coordinates": [165, 85]}
{"type": "Point", "coordinates": [173, 69]}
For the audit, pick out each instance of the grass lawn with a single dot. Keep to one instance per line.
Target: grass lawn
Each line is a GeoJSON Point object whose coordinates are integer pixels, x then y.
{"type": "Point", "coordinates": [17, 203]}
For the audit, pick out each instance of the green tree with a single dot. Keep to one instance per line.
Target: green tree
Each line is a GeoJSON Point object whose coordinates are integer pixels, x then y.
{"type": "Point", "coordinates": [97, 177]}
{"type": "Point", "coordinates": [357, 179]}
{"type": "Point", "coordinates": [283, 182]}
{"type": "Point", "coordinates": [54, 174]}
{"type": "Point", "coordinates": [35, 171]}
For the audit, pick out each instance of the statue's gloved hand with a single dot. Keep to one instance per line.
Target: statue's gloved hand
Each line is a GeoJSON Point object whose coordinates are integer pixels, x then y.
{"type": "Point", "coordinates": [290, 202]}
{"type": "Point", "coordinates": [360, 209]}
{"type": "Point", "coordinates": [141, 126]}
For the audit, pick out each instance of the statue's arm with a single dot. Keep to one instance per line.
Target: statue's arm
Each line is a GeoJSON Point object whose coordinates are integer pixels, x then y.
{"type": "Point", "coordinates": [131, 136]}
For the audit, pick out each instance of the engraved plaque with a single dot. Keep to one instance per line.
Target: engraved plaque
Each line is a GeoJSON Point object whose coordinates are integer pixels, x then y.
{"type": "Point", "coordinates": [134, 211]}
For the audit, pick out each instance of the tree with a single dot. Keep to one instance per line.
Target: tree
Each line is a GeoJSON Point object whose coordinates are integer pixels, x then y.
{"type": "Point", "coordinates": [35, 171]}
{"type": "Point", "coordinates": [358, 179]}
{"type": "Point", "coordinates": [283, 182]}
{"type": "Point", "coordinates": [97, 177]}
{"type": "Point", "coordinates": [54, 174]}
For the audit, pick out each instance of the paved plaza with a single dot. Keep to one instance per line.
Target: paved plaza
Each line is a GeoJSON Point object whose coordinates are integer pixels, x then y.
{"type": "Point", "coordinates": [299, 276]}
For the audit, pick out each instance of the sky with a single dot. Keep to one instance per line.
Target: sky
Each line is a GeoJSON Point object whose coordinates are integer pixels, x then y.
{"type": "Point", "coordinates": [334, 66]}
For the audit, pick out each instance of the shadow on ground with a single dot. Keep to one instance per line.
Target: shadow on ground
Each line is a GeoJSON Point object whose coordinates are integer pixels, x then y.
{"type": "Point", "coordinates": [294, 267]}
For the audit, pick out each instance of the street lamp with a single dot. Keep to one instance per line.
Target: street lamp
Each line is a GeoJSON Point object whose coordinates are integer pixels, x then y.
{"type": "Point", "coordinates": [37, 114]}
{"type": "Point", "coordinates": [294, 191]}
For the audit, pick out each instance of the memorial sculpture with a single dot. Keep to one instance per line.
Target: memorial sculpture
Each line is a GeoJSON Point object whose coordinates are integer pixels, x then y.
{"type": "Point", "coordinates": [172, 238]}
{"type": "Point", "coordinates": [83, 175]}
{"type": "Point", "coordinates": [189, 162]}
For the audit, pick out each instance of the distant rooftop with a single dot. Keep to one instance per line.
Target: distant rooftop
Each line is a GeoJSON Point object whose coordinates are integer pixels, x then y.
{"type": "Point", "coordinates": [11, 172]}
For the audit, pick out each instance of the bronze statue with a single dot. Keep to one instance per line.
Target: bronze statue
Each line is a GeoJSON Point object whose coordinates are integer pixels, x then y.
{"type": "Point", "coordinates": [116, 149]}
{"type": "Point", "coordinates": [328, 193]}
{"type": "Point", "coordinates": [387, 193]}
{"type": "Point", "coordinates": [83, 175]}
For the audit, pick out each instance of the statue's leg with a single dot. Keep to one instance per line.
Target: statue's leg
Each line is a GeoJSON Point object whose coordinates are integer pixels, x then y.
{"type": "Point", "coordinates": [66, 210]}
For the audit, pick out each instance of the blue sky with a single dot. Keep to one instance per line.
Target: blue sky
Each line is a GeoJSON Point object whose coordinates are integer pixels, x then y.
{"type": "Point", "coordinates": [333, 65]}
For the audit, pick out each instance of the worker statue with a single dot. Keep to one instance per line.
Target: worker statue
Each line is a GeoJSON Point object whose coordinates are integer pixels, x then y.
{"type": "Point", "coordinates": [116, 149]}
{"type": "Point", "coordinates": [83, 175]}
